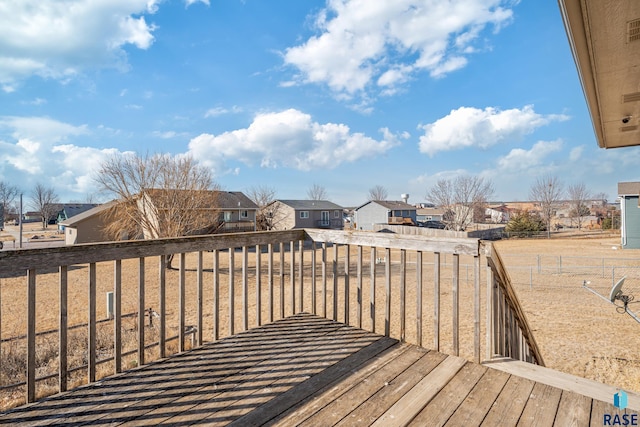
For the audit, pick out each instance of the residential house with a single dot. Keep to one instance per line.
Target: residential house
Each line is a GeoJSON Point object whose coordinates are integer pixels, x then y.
{"type": "Point", "coordinates": [629, 193]}
{"type": "Point", "coordinates": [237, 212]}
{"type": "Point", "coordinates": [228, 211]}
{"type": "Point", "coordinates": [498, 214]}
{"type": "Point", "coordinates": [429, 214]}
{"type": "Point", "coordinates": [288, 214]}
{"type": "Point", "coordinates": [384, 212]}
{"type": "Point", "coordinates": [233, 212]}
{"type": "Point", "coordinates": [68, 210]}
{"type": "Point", "coordinates": [87, 226]}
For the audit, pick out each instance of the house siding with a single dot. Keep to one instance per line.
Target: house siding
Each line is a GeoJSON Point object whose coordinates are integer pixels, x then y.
{"type": "Point", "coordinates": [631, 229]}
{"type": "Point", "coordinates": [369, 214]}
{"type": "Point", "coordinates": [91, 231]}
{"type": "Point", "coordinates": [287, 218]}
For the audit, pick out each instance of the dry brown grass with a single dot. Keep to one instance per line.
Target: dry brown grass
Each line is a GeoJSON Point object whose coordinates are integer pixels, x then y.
{"type": "Point", "coordinates": [578, 333]}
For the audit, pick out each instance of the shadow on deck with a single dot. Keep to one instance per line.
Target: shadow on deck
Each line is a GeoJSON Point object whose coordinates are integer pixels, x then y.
{"type": "Point", "coordinates": [307, 370]}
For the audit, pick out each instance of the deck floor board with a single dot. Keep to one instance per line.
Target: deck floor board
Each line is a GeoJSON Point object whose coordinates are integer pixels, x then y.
{"type": "Point", "coordinates": [307, 370]}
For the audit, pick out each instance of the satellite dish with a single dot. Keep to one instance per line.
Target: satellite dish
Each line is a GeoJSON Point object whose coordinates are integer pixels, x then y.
{"type": "Point", "coordinates": [616, 291]}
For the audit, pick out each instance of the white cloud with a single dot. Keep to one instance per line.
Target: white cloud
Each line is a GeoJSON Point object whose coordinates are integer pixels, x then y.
{"type": "Point", "coordinates": [40, 128]}
{"type": "Point", "coordinates": [190, 2]}
{"type": "Point", "coordinates": [35, 148]}
{"type": "Point", "coordinates": [472, 127]}
{"type": "Point", "coordinates": [170, 134]}
{"type": "Point", "coordinates": [520, 160]}
{"type": "Point", "coordinates": [360, 41]}
{"type": "Point", "coordinates": [219, 111]}
{"type": "Point", "coordinates": [576, 153]}
{"type": "Point", "coordinates": [290, 139]}
{"type": "Point", "coordinates": [58, 39]}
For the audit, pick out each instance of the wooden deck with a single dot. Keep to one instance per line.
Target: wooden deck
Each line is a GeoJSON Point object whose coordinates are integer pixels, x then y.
{"type": "Point", "coordinates": [310, 371]}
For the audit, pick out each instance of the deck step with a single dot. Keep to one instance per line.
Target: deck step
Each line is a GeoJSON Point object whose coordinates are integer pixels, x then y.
{"type": "Point", "coordinates": [564, 381]}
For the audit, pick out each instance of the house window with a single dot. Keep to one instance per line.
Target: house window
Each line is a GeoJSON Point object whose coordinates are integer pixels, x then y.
{"type": "Point", "coordinates": [227, 216]}
{"type": "Point", "coordinates": [336, 214]}
{"type": "Point", "coordinates": [304, 214]}
{"type": "Point", "coordinates": [244, 214]}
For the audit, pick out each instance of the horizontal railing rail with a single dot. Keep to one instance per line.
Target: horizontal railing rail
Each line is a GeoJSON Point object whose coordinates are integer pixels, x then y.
{"type": "Point", "coordinates": [376, 281]}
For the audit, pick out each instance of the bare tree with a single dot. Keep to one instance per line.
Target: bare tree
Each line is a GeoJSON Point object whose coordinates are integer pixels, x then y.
{"type": "Point", "coordinates": [158, 196]}
{"type": "Point", "coordinates": [378, 193]}
{"type": "Point", "coordinates": [578, 197]}
{"type": "Point", "coordinates": [264, 196]}
{"type": "Point", "coordinates": [461, 198]}
{"type": "Point", "coordinates": [317, 192]}
{"type": "Point", "coordinates": [8, 194]}
{"type": "Point", "coordinates": [547, 191]}
{"type": "Point", "coordinates": [44, 200]}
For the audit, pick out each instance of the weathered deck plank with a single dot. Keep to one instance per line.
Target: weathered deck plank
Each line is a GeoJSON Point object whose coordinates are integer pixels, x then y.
{"type": "Point", "coordinates": [476, 405]}
{"type": "Point", "coordinates": [508, 407]}
{"type": "Point", "coordinates": [307, 370]}
{"type": "Point", "coordinates": [438, 411]}
{"type": "Point", "coordinates": [378, 403]}
{"type": "Point", "coordinates": [542, 406]}
{"type": "Point", "coordinates": [409, 405]}
{"type": "Point", "coordinates": [294, 415]}
{"type": "Point", "coordinates": [341, 406]}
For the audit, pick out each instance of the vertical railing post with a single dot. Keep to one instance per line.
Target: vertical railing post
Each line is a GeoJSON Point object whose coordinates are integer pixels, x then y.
{"type": "Point", "coordinates": [216, 295]}
{"type": "Point", "coordinates": [436, 301]}
{"type": "Point", "coordinates": [476, 308]}
{"type": "Point", "coordinates": [162, 306]}
{"type": "Point", "coordinates": [182, 303]}
{"type": "Point", "coordinates": [335, 281]}
{"type": "Point", "coordinates": [292, 275]}
{"type": "Point", "coordinates": [91, 356]}
{"type": "Point", "coordinates": [403, 293]}
{"type": "Point", "coordinates": [62, 330]}
{"type": "Point", "coordinates": [490, 326]}
{"type": "Point", "coordinates": [117, 316]}
{"type": "Point", "coordinates": [419, 298]}
{"type": "Point", "coordinates": [31, 335]}
{"type": "Point", "coordinates": [359, 287]}
{"type": "Point", "coordinates": [141, 311]}
{"type": "Point", "coordinates": [347, 262]}
{"type": "Point", "coordinates": [231, 291]}
{"type": "Point", "coordinates": [372, 291]}
{"type": "Point", "coordinates": [324, 279]}
{"type": "Point", "coordinates": [258, 286]}
{"type": "Point", "coordinates": [270, 279]}
{"type": "Point", "coordinates": [281, 271]}
{"type": "Point", "coordinates": [313, 278]}
{"type": "Point", "coordinates": [301, 276]}
{"type": "Point", "coordinates": [200, 297]}
{"type": "Point", "coordinates": [387, 304]}
{"type": "Point", "coordinates": [245, 290]}
{"type": "Point", "coordinates": [456, 304]}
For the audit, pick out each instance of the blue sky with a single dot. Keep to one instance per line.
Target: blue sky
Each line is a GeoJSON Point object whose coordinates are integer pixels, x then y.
{"type": "Point", "coordinates": [347, 94]}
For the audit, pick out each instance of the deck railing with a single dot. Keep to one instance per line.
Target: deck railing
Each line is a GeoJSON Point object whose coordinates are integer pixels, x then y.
{"type": "Point", "coordinates": [377, 281]}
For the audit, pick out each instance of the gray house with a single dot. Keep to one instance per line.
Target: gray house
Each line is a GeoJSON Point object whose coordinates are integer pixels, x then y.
{"type": "Point", "coordinates": [87, 226]}
{"type": "Point", "coordinates": [384, 212]}
{"type": "Point", "coordinates": [288, 214]}
{"type": "Point", "coordinates": [629, 193]}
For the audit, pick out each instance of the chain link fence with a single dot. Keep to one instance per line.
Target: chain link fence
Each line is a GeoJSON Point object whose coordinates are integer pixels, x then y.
{"type": "Point", "coordinates": [562, 271]}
